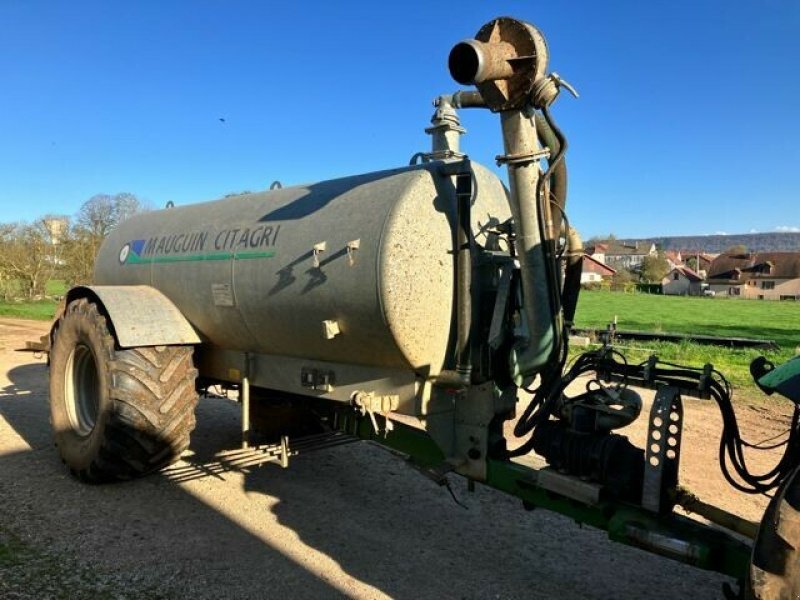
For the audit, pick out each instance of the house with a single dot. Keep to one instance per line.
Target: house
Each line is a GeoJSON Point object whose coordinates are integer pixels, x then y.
{"type": "Point", "coordinates": [594, 271]}
{"type": "Point", "coordinates": [674, 258]}
{"type": "Point", "coordinates": [682, 281]}
{"type": "Point", "coordinates": [700, 261]}
{"type": "Point", "coordinates": [761, 275]}
{"type": "Point", "coordinates": [619, 255]}
{"type": "Point", "coordinates": [597, 251]}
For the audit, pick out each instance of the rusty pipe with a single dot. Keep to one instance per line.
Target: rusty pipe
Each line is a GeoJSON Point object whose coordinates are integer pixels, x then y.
{"type": "Point", "coordinates": [473, 61]}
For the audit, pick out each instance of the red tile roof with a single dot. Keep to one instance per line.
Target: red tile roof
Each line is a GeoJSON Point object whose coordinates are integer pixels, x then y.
{"type": "Point", "coordinates": [774, 265]}
{"type": "Point", "coordinates": [688, 273]}
{"type": "Point", "coordinates": [592, 265]}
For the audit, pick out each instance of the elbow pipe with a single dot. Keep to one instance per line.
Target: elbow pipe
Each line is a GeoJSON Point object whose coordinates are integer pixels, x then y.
{"type": "Point", "coordinates": [546, 135]}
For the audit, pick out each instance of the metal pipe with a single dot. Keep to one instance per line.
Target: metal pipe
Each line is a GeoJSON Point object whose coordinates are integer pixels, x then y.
{"type": "Point", "coordinates": [445, 130]}
{"type": "Point", "coordinates": [472, 61]}
{"type": "Point", "coordinates": [693, 504]}
{"type": "Point", "coordinates": [519, 138]}
{"type": "Point", "coordinates": [246, 405]}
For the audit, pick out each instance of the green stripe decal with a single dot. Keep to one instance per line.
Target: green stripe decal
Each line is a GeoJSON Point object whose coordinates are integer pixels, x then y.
{"type": "Point", "coordinates": [134, 259]}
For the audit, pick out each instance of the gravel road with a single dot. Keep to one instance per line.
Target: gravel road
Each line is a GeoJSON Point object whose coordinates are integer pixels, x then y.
{"type": "Point", "coordinates": [351, 521]}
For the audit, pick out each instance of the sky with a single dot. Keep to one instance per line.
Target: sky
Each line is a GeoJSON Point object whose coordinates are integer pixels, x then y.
{"type": "Point", "coordinates": [688, 119]}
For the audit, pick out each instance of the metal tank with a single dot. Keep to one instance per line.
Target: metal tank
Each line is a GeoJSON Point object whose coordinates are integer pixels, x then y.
{"type": "Point", "coordinates": [358, 270]}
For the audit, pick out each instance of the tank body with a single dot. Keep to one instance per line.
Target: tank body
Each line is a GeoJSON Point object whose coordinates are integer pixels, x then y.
{"type": "Point", "coordinates": [355, 270]}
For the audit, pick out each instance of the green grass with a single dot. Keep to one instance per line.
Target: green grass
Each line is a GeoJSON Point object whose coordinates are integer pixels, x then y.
{"type": "Point", "coordinates": [56, 287]}
{"type": "Point", "coordinates": [40, 310]}
{"type": "Point", "coordinates": [777, 321]}
{"type": "Point", "coordinates": [728, 317]}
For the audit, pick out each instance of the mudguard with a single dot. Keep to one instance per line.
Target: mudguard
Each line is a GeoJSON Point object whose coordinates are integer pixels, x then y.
{"type": "Point", "coordinates": [140, 315]}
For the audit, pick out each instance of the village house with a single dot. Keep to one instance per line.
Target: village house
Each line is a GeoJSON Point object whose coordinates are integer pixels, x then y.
{"type": "Point", "coordinates": [761, 275]}
{"type": "Point", "coordinates": [673, 258]}
{"type": "Point", "coordinates": [700, 261]}
{"type": "Point", "coordinates": [594, 271]}
{"type": "Point", "coordinates": [682, 281]}
{"type": "Point", "coordinates": [619, 255]}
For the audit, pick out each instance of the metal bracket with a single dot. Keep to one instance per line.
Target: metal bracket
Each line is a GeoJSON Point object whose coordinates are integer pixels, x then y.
{"type": "Point", "coordinates": [368, 403]}
{"type": "Point", "coordinates": [352, 247]}
{"type": "Point", "coordinates": [496, 334]}
{"type": "Point", "coordinates": [320, 380]}
{"type": "Point", "coordinates": [662, 456]}
{"type": "Point", "coordinates": [522, 159]}
{"type": "Point", "coordinates": [316, 251]}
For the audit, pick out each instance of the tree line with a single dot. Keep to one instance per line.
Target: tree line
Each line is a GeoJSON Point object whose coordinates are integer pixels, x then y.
{"type": "Point", "coordinates": [59, 246]}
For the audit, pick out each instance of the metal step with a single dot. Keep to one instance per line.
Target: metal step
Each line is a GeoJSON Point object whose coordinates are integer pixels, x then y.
{"type": "Point", "coordinates": [242, 459]}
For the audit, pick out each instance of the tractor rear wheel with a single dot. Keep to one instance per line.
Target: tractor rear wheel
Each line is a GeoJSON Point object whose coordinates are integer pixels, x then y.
{"type": "Point", "coordinates": [775, 566]}
{"type": "Point", "coordinates": [117, 414]}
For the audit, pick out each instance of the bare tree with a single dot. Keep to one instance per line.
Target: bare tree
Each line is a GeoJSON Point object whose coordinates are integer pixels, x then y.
{"type": "Point", "coordinates": [95, 220]}
{"type": "Point", "coordinates": [78, 255]}
{"type": "Point", "coordinates": [102, 212]}
{"type": "Point", "coordinates": [26, 258]}
{"type": "Point", "coordinates": [96, 215]}
{"type": "Point", "coordinates": [127, 205]}
{"type": "Point", "coordinates": [30, 254]}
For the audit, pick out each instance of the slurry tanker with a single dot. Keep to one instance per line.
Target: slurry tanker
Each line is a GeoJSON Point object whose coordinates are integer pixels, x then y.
{"type": "Point", "coordinates": [418, 308]}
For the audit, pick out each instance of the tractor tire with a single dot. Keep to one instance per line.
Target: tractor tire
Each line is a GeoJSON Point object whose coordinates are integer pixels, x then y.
{"type": "Point", "coordinates": [117, 414]}
{"type": "Point", "coordinates": [775, 565]}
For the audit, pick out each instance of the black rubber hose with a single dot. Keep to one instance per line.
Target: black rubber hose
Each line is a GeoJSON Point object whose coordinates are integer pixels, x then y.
{"type": "Point", "coordinates": [464, 247]}
{"type": "Point", "coordinates": [558, 177]}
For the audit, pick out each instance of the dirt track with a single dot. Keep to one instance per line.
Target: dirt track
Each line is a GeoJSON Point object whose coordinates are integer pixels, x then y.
{"type": "Point", "coordinates": [351, 521]}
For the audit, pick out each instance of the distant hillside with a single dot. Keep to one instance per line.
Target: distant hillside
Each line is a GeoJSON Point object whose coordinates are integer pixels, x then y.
{"type": "Point", "coordinates": [755, 242]}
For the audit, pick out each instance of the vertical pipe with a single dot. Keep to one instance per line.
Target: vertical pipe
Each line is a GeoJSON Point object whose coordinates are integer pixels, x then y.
{"type": "Point", "coordinates": [246, 404]}
{"type": "Point", "coordinates": [285, 451]}
{"type": "Point", "coordinates": [464, 243]}
{"type": "Point", "coordinates": [519, 138]}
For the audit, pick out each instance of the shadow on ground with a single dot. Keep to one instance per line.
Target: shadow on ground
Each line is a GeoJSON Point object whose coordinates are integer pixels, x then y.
{"type": "Point", "coordinates": [379, 526]}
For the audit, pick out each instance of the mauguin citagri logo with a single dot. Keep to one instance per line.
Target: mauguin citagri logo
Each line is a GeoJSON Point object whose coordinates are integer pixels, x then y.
{"type": "Point", "coordinates": [228, 244]}
{"type": "Point", "coordinates": [131, 251]}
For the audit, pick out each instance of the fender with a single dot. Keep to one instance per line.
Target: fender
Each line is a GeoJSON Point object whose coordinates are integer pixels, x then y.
{"type": "Point", "coordinates": [139, 315]}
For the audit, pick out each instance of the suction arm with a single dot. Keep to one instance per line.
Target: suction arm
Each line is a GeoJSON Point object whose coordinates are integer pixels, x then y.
{"type": "Point", "coordinates": [506, 60]}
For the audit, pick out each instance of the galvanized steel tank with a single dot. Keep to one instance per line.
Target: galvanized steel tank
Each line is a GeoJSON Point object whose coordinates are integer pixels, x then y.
{"type": "Point", "coordinates": [280, 272]}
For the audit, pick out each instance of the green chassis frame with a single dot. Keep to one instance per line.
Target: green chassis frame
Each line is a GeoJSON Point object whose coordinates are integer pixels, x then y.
{"type": "Point", "coordinates": [669, 535]}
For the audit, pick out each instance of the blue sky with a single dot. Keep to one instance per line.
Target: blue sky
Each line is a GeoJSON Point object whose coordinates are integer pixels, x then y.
{"type": "Point", "coordinates": [688, 120]}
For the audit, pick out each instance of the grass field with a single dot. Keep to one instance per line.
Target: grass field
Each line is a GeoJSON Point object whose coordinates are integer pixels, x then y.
{"type": "Point", "coordinates": [41, 310]}
{"type": "Point", "coordinates": [777, 321]}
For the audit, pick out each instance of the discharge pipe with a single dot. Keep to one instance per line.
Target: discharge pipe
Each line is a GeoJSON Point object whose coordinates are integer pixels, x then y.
{"type": "Point", "coordinates": [519, 138]}
{"type": "Point", "coordinates": [505, 61]}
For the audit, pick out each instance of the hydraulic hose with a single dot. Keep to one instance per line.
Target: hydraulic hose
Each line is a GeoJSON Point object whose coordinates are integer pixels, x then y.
{"type": "Point", "coordinates": [464, 249]}
{"type": "Point", "coordinates": [558, 176]}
